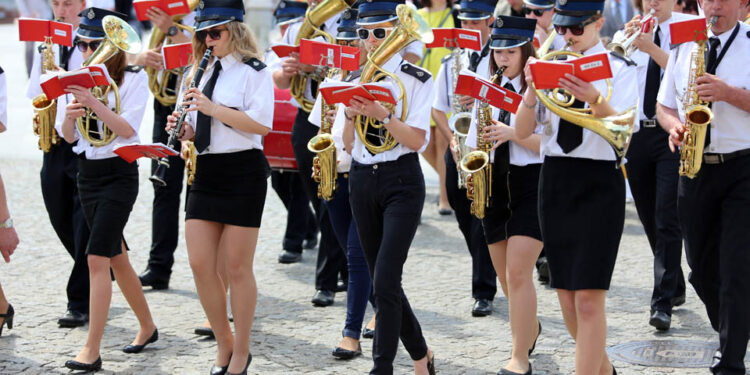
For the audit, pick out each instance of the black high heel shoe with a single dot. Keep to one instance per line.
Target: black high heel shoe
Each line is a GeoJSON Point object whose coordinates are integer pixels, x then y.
{"type": "Point", "coordinates": [247, 364]}
{"type": "Point", "coordinates": [431, 364]}
{"type": "Point", "coordinates": [131, 349]}
{"type": "Point", "coordinates": [537, 338]}
{"type": "Point", "coordinates": [88, 367]}
{"type": "Point", "coordinates": [508, 372]}
{"type": "Point", "coordinates": [7, 318]}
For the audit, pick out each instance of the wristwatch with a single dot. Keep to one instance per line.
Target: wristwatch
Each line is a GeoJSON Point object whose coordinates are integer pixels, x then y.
{"type": "Point", "coordinates": [387, 119]}
{"type": "Point", "coordinates": [172, 31]}
{"type": "Point", "coordinates": [6, 224]}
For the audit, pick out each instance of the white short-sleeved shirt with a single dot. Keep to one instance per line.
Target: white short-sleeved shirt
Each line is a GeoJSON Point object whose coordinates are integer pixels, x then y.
{"type": "Point", "coordinates": [3, 100]}
{"type": "Point", "coordinates": [34, 88]}
{"type": "Point", "coordinates": [444, 85]}
{"type": "Point", "coordinates": [624, 96]}
{"type": "Point", "coordinates": [337, 131]}
{"type": "Point", "coordinates": [242, 87]}
{"type": "Point", "coordinates": [729, 126]}
{"type": "Point", "coordinates": [419, 96]}
{"type": "Point", "coordinates": [133, 99]}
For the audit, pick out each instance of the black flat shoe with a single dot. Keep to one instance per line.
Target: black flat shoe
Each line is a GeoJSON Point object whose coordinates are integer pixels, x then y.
{"type": "Point", "coordinates": [431, 365]}
{"type": "Point", "coordinates": [7, 318]}
{"type": "Point", "coordinates": [289, 257]}
{"type": "Point", "coordinates": [445, 211]}
{"type": "Point", "coordinates": [482, 307]}
{"type": "Point", "coordinates": [660, 320]}
{"type": "Point", "coordinates": [310, 243]}
{"type": "Point", "coordinates": [368, 333]}
{"type": "Point", "coordinates": [204, 331]}
{"type": "Point", "coordinates": [533, 346]}
{"type": "Point", "coordinates": [80, 366]}
{"type": "Point", "coordinates": [247, 364]}
{"type": "Point", "coordinates": [323, 298]}
{"type": "Point", "coordinates": [342, 286]}
{"type": "Point", "coordinates": [72, 319]}
{"type": "Point", "coordinates": [508, 372]}
{"type": "Point", "coordinates": [153, 279]}
{"type": "Point", "coordinates": [614, 372]}
{"type": "Point", "coordinates": [678, 301]}
{"type": "Point", "coordinates": [138, 348]}
{"type": "Point", "coordinates": [342, 353]}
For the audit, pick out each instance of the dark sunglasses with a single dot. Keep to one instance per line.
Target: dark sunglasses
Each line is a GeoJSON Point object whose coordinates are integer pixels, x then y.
{"type": "Point", "coordinates": [215, 34]}
{"type": "Point", "coordinates": [378, 33]}
{"type": "Point", "coordinates": [82, 46]}
{"type": "Point", "coordinates": [537, 12]}
{"type": "Point", "coordinates": [575, 29]}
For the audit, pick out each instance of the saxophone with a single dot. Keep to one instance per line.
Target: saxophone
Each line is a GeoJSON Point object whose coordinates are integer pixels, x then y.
{"type": "Point", "coordinates": [45, 110]}
{"type": "Point", "coordinates": [323, 144]}
{"type": "Point", "coordinates": [697, 113]}
{"type": "Point", "coordinates": [460, 120]}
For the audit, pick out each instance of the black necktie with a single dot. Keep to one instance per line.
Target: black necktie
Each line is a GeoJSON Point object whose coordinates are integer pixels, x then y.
{"type": "Point", "coordinates": [474, 58]}
{"type": "Point", "coordinates": [64, 57]}
{"type": "Point", "coordinates": [569, 135]}
{"type": "Point", "coordinates": [203, 130]}
{"type": "Point", "coordinates": [711, 65]}
{"type": "Point", "coordinates": [502, 152]}
{"type": "Point", "coordinates": [653, 79]}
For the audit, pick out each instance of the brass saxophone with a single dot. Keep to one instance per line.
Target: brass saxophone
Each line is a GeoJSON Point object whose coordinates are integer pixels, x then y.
{"type": "Point", "coordinates": [323, 144]}
{"type": "Point", "coordinates": [460, 119]}
{"type": "Point", "coordinates": [477, 163]}
{"type": "Point", "coordinates": [45, 110]}
{"type": "Point", "coordinates": [697, 113]}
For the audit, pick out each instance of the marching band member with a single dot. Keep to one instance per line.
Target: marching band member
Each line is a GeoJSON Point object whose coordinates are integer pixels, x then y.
{"type": "Point", "coordinates": [582, 193]}
{"type": "Point", "coordinates": [511, 224]}
{"type": "Point", "coordinates": [108, 187]}
{"type": "Point", "coordinates": [474, 15]}
{"type": "Point", "coordinates": [713, 206]}
{"type": "Point", "coordinates": [652, 168]}
{"type": "Point", "coordinates": [387, 191]}
{"type": "Point", "coordinates": [58, 180]}
{"type": "Point", "coordinates": [542, 12]}
{"type": "Point", "coordinates": [230, 111]}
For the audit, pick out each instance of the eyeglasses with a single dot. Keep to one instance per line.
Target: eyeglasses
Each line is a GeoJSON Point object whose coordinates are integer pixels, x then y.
{"type": "Point", "coordinates": [215, 34]}
{"type": "Point", "coordinates": [575, 29]}
{"type": "Point", "coordinates": [537, 12]}
{"type": "Point", "coordinates": [82, 46]}
{"type": "Point", "coordinates": [378, 33]}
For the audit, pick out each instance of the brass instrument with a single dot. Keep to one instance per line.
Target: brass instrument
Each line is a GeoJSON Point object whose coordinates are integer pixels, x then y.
{"type": "Point", "coordinates": [697, 113]}
{"type": "Point", "coordinates": [460, 120]}
{"type": "Point", "coordinates": [191, 159]}
{"type": "Point", "coordinates": [159, 85]}
{"type": "Point", "coordinates": [617, 129]}
{"type": "Point", "coordinates": [45, 110]}
{"type": "Point", "coordinates": [622, 44]}
{"type": "Point", "coordinates": [325, 162]}
{"type": "Point", "coordinates": [477, 163]}
{"type": "Point", "coordinates": [118, 36]}
{"type": "Point", "coordinates": [410, 27]}
{"type": "Point", "coordinates": [310, 29]}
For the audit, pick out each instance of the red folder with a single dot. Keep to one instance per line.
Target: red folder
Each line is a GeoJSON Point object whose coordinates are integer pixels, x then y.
{"type": "Point", "coordinates": [593, 67]}
{"type": "Point", "coordinates": [547, 74]}
{"type": "Point", "coordinates": [511, 100]}
{"type": "Point", "coordinates": [37, 30]}
{"type": "Point", "coordinates": [171, 7]}
{"type": "Point", "coordinates": [381, 91]}
{"type": "Point", "coordinates": [349, 58]}
{"type": "Point", "coordinates": [88, 77]}
{"type": "Point", "coordinates": [456, 38]}
{"type": "Point", "coordinates": [284, 50]}
{"type": "Point", "coordinates": [342, 92]}
{"type": "Point", "coordinates": [536, 42]}
{"type": "Point", "coordinates": [177, 55]}
{"type": "Point", "coordinates": [330, 55]}
{"type": "Point", "coordinates": [131, 153]}
{"type": "Point", "coordinates": [479, 88]}
{"type": "Point", "coordinates": [688, 31]}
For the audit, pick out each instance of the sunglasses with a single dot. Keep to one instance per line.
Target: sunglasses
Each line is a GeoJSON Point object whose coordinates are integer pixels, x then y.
{"type": "Point", "coordinates": [82, 46]}
{"type": "Point", "coordinates": [537, 12]}
{"type": "Point", "coordinates": [215, 34]}
{"type": "Point", "coordinates": [378, 33]}
{"type": "Point", "coordinates": [576, 30]}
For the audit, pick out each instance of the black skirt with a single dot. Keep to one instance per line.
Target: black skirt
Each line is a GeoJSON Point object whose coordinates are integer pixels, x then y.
{"type": "Point", "coordinates": [513, 209]}
{"type": "Point", "coordinates": [107, 189]}
{"type": "Point", "coordinates": [229, 188]}
{"type": "Point", "coordinates": [582, 213]}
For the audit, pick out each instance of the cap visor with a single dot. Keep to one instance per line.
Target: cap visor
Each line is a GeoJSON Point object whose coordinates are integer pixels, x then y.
{"type": "Point", "coordinates": [286, 20]}
{"type": "Point", "coordinates": [473, 16]}
{"type": "Point", "coordinates": [207, 24]}
{"type": "Point", "coordinates": [564, 20]}
{"type": "Point", "coordinates": [374, 20]}
{"type": "Point", "coordinates": [90, 34]}
{"type": "Point", "coordinates": [540, 5]}
{"type": "Point", "coordinates": [347, 35]}
{"type": "Point", "coordinates": [506, 43]}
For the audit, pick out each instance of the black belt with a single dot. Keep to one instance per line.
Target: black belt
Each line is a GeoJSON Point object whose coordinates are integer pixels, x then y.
{"type": "Point", "coordinates": [652, 123]}
{"type": "Point", "coordinates": [405, 159]}
{"type": "Point", "coordinates": [723, 158]}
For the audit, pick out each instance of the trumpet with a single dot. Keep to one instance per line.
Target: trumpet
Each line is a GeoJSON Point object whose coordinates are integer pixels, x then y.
{"type": "Point", "coordinates": [622, 44]}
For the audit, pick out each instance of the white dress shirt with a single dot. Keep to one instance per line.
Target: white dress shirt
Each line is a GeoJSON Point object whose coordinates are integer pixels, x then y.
{"type": "Point", "coordinates": [133, 99]}
{"type": "Point", "coordinates": [239, 87]}
{"type": "Point", "coordinates": [419, 96]}
{"type": "Point", "coordinates": [729, 126]}
{"type": "Point", "coordinates": [3, 100]}
{"type": "Point", "coordinates": [34, 88]}
{"type": "Point", "coordinates": [337, 131]}
{"type": "Point", "coordinates": [624, 95]}
{"type": "Point", "coordinates": [444, 85]}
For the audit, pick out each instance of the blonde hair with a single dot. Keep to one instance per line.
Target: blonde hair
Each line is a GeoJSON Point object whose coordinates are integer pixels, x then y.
{"type": "Point", "coordinates": [242, 45]}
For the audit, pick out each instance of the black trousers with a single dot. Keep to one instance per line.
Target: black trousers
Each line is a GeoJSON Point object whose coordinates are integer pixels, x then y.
{"type": "Point", "coordinates": [300, 219]}
{"type": "Point", "coordinates": [652, 173]}
{"type": "Point", "coordinates": [387, 200]}
{"type": "Point", "coordinates": [713, 212]}
{"type": "Point", "coordinates": [60, 193]}
{"type": "Point", "coordinates": [331, 257]}
{"type": "Point", "coordinates": [483, 284]}
{"type": "Point", "coordinates": [165, 215]}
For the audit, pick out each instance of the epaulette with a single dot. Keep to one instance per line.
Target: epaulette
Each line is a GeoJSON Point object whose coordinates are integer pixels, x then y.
{"type": "Point", "coordinates": [133, 68]}
{"type": "Point", "coordinates": [1, 70]}
{"type": "Point", "coordinates": [416, 72]}
{"type": "Point", "coordinates": [626, 60]}
{"type": "Point", "coordinates": [255, 64]}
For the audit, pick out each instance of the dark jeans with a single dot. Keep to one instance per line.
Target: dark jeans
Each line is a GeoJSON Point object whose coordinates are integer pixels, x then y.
{"type": "Point", "coordinates": [387, 201]}
{"type": "Point", "coordinates": [60, 193]}
{"type": "Point", "coordinates": [360, 284]}
{"type": "Point", "coordinates": [165, 215]}
{"type": "Point", "coordinates": [653, 175]}
{"type": "Point", "coordinates": [713, 211]}
{"type": "Point", "coordinates": [300, 219]}
{"type": "Point", "coordinates": [483, 284]}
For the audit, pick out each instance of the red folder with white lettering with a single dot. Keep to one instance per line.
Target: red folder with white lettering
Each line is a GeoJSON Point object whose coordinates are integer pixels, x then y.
{"type": "Point", "coordinates": [592, 68]}
{"type": "Point", "coordinates": [54, 85]}
{"type": "Point", "coordinates": [456, 38]}
{"type": "Point", "coordinates": [131, 153]}
{"type": "Point", "coordinates": [481, 89]}
{"type": "Point", "coordinates": [547, 74]}
{"type": "Point", "coordinates": [688, 31]}
{"type": "Point", "coordinates": [342, 92]}
{"type": "Point", "coordinates": [284, 50]}
{"type": "Point", "coordinates": [170, 7]}
{"type": "Point", "coordinates": [37, 30]}
{"type": "Point", "coordinates": [317, 53]}
{"type": "Point", "coordinates": [177, 55]}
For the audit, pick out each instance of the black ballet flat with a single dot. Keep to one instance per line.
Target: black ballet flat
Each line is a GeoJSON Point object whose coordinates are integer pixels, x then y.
{"type": "Point", "coordinates": [342, 353]}
{"type": "Point", "coordinates": [614, 372]}
{"type": "Point", "coordinates": [537, 337]}
{"type": "Point", "coordinates": [508, 372]}
{"type": "Point", "coordinates": [204, 331]}
{"type": "Point", "coordinates": [244, 372]}
{"type": "Point", "coordinates": [368, 333]}
{"type": "Point", "coordinates": [132, 349]}
{"type": "Point", "coordinates": [431, 365]}
{"type": "Point", "coordinates": [80, 366]}
{"type": "Point", "coordinates": [7, 318]}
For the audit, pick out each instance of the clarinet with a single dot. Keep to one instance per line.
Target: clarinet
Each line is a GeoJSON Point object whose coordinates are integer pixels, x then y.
{"type": "Point", "coordinates": [159, 176]}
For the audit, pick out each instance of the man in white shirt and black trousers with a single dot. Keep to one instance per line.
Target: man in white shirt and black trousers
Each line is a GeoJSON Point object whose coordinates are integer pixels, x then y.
{"type": "Point", "coordinates": [713, 207]}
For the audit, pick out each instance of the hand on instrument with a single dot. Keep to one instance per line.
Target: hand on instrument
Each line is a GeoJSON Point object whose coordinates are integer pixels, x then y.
{"type": "Point", "coordinates": [198, 102]}
{"type": "Point", "coordinates": [712, 88]}
{"type": "Point", "coordinates": [645, 41]}
{"type": "Point", "coordinates": [454, 149]}
{"type": "Point", "coordinates": [160, 19]}
{"type": "Point", "coordinates": [8, 242]}
{"type": "Point", "coordinates": [290, 66]}
{"type": "Point", "coordinates": [184, 149]}
{"type": "Point", "coordinates": [307, 68]}
{"type": "Point", "coordinates": [675, 137]}
{"type": "Point", "coordinates": [498, 133]}
{"type": "Point", "coordinates": [527, 71]}
{"type": "Point", "coordinates": [150, 58]}
{"type": "Point", "coordinates": [366, 107]}
{"type": "Point", "coordinates": [74, 110]}
{"type": "Point", "coordinates": [466, 101]}
{"type": "Point", "coordinates": [331, 115]}
{"type": "Point", "coordinates": [632, 25]}
{"type": "Point", "coordinates": [582, 90]}
{"type": "Point", "coordinates": [185, 133]}
{"type": "Point", "coordinates": [82, 95]}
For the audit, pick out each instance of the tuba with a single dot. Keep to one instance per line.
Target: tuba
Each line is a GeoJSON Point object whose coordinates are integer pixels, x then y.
{"type": "Point", "coordinates": [622, 45]}
{"type": "Point", "coordinates": [460, 119]}
{"type": "Point", "coordinates": [617, 129]}
{"type": "Point", "coordinates": [410, 27]}
{"type": "Point", "coordinates": [45, 110]}
{"type": "Point", "coordinates": [311, 29]}
{"type": "Point", "coordinates": [119, 36]}
{"type": "Point", "coordinates": [324, 146]}
{"type": "Point", "coordinates": [697, 113]}
{"type": "Point", "coordinates": [159, 85]}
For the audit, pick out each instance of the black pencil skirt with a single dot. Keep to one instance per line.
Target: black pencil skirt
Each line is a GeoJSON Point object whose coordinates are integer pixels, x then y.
{"type": "Point", "coordinates": [513, 209]}
{"type": "Point", "coordinates": [229, 188]}
{"type": "Point", "coordinates": [107, 189]}
{"type": "Point", "coordinates": [582, 213]}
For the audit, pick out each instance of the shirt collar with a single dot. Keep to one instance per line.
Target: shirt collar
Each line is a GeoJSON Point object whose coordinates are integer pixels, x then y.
{"type": "Point", "coordinates": [597, 48]}
{"type": "Point", "coordinates": [393, 64]}
{"type": "Point", "coordinates": [724, 37]}
{"type": "Point", "coordinates": [516, 82]}
{"type": "Point", "coordinates": [228, 61]}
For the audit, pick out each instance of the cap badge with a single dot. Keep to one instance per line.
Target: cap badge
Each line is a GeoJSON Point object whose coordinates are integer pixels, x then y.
{"type": "Point", "coordinates": [91, 15]}
{"type": "Point", "coordinates": [201, 5]}
{"type": "Point", "coordinates": [282, 5]}
{"type": "Point", "coordinates": [563, 2]}
{"type": "Point", "coordinates": [499, 23]}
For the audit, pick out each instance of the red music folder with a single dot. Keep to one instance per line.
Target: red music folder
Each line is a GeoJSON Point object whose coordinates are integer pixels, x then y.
{"type": "Point", "coordinates": [54, 85]}
{"type": "Point", "coordinates": [342, 92]}
{"type": "Point", "coordinates": [511, 100]}
{"type": "Point", "coordinates": [688, 31]}
{"type": "Point", "coordinates": [547, 74]}
{"type": "Point", "coordinates": [456, 38]}
{"type": "Point", "coordinates": [331, 55]}
{"type": "Point", "coordinates": [382, 91]}
{"type": "Point", "coordinates": [479, 88]}
{"type": "Point", "coordinates": [131, 153]}
{"type": "Point", "coordinates": [284, 50]}
{"type": "Point", "coordinates": [593, 67]}
{"type": "Point", "coordinates": [37, 30]}
{"type": "Point", "coordinates": [177, 55]}
{"type": "Point", "coordinates": [171, 7]}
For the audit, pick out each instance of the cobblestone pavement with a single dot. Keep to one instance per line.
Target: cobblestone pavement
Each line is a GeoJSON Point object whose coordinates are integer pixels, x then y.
{"type": "Point", "coordinates": [290, 336]}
